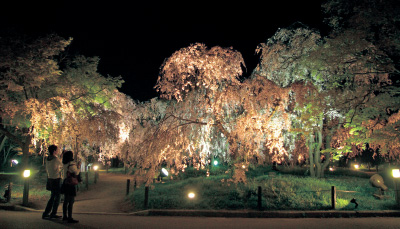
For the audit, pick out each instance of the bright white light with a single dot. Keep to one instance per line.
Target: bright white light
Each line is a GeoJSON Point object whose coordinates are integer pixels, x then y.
{"type": "Point", "coordinates": [27, 173]}
{"type": "Point", "coordinates": [191, 195]}
{"type": "Point", "coordinates": [215, 162]}
{"type": "Point", "coordinates": [356, 166]}
{"type": "Point", "coordinates": [15, 162]}
{"type": "Point", "coordinates": [95, 167]}
{"type": "Point", "coordinates": [396, 173]}
{"type": "Point", "coordinates": [243, 166]}
{"type": "Point", "coordinates": [330, 169]}
{"type": "Point", "coordinates": [164, 171]}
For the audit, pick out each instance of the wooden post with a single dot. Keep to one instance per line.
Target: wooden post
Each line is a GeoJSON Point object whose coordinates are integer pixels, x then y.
{"type": "Point", "coordinates": [259, 203]}
{"type": "Point", "coordinates": [333, 197]}
{"type": "Point", "coordinates": [8, 197]}
{"type": "Point", "coordinates": [87, 180]}
{"type": "Point", "coordinates": [128, 183]}
{"type": "Point", "coordinates": [26, 192]}
{"type": "Point", "coordinates": [146, 197]}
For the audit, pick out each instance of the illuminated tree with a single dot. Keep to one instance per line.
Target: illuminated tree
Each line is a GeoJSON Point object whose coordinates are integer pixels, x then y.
{"type": "Point", "coordinates": [41, 102]}
{"type": "Point", "coordinates": [28, 70]}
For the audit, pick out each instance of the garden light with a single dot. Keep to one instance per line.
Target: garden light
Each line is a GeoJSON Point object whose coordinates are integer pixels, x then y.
{"type": "Point", "coordinates": [191, 195]}
{"type": "Point", "coordinates": [215, 162]}
{"type": "Point", "coordinates": [331, 169]}
{"type": "Point", "coordinates": [356, 166]}
{"type": "Point", "coordinates": [96, 167]}
{"type": "Point", "coordinates": [15, 162]}
{"type": "Point", "coordinates": [396, 173]}
{"type": "Point", "coordinates": [164, 172]}
{"type": "Point", "coordinates": [243, 166]}
{"type": "Point", "coordinates": [27, 173]}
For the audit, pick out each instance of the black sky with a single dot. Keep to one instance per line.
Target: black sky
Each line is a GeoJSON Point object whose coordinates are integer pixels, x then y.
{"type": "Point", "coordinates": [133, 38]}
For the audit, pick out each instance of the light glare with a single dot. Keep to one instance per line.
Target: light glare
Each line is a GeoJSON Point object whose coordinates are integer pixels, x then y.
{"type": "Point", "coordinates": [164, 171]}
{"type": "Point", "coordinates": [191, 195]}
{"type": "Point", "coordinates": [396, 173]}
{"type": "Point", "coordinates": [27, 173]}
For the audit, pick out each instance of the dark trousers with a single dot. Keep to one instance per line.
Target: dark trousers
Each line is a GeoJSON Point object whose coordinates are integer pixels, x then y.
{"type": "Point", "coordinates": [67, 206]}
{"type": "Point", "coordinates": [54, 201]}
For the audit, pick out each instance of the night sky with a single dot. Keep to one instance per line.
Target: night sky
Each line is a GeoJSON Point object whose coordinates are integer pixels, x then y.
{"type": "Point", "coordinates": [133, 38]}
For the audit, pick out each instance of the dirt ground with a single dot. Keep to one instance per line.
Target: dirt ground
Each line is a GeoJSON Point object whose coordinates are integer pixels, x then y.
{"type": "Point", "coordinates": [107, 196]}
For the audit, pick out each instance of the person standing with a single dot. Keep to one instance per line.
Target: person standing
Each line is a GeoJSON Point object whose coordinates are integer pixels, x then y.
{"type": "Point", "coordinates": [69, 190]}
{"type": "Point", "coordinates": [53, 169]}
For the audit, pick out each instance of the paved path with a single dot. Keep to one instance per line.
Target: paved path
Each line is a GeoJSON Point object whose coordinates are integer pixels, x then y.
{"type": "Point", "coordinates": [17, 219]}
{"type": "Point", "coordinates": [107, 196]}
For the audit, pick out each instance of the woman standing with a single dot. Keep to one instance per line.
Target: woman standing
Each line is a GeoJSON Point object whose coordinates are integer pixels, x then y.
{"type": "Point", "coordinates": [69, 190]}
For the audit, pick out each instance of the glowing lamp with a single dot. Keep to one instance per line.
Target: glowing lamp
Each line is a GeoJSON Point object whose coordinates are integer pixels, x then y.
{"type": "Point", "coordinates": [15, 162]}
{"type": "Point", "coordinates": [243, 166]}
{"type": "Point", "coordinates": [215, 162]}
{"type": "Point", "coordinates": [96, 167]}
{"type": "Point", "coordinates": [356, 166]}
{"type": "Point", "coordinates": [191, 195]}
{"type": "Point", "coordinates": [164, 172]}
{"type": "Point", "coordinates": [27, 173]}
{"type": "Point", "coordinates": [330, 169]}
{"type": "Point", "coordinates": [396, 173]}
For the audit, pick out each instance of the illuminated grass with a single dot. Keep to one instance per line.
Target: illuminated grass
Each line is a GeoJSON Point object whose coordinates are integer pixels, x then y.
{"type": "Point", "coordinates": [279, 192]}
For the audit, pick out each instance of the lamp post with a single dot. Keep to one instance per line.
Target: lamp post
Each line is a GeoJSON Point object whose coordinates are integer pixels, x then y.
{"type": "Point", "coordinates": [396, 176]}
{"type": "Point", "coordinates": [25, 197]}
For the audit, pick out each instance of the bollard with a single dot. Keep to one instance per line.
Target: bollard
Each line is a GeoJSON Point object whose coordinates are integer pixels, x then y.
{"type": "Point", "coordinates": [87, 180]}
{"type": "Point", "coordinates": [128, 182]}
{"type": "Point", "coordinates": [8, 193]}
{"type": "Point", "coordinates": [25, 193]}
{"type": "Point", "coordinates": [95, 176]}
{"type": "Point", "coordinates": [333, 197]}
{"type": "Point", "coordinates": [259, 204]}
{"type": "Point", "coordinates": [146, 197]}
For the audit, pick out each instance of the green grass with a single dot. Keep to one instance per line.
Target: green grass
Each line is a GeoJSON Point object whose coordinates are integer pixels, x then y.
{"type": "Point", "coordinates": [37, 185]}
{"type": "Point", "coordinates": [280, 192]}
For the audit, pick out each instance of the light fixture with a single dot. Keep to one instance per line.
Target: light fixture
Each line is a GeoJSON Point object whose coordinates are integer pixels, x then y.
{"type": "Point", "coordinates": [396, 173]}
{"type": "Point", "coordinates": [191, 195]}
{"type": "Point", "coordinates": [164, 172]}
{"type": "Point", "coordinates": [356, 166]}
{"type": "Point", "coordinates": [27, 173]}
{"type": "Point", "coordinates": [215, 162]}
{"type": "Point", "coordinates": [96, 167]}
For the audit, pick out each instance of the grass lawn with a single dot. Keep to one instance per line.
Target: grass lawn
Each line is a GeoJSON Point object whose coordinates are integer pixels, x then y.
{"type": "Point", "coordinates": [281, 191]}
{"type": "Point", "coordinates": [37, 185]}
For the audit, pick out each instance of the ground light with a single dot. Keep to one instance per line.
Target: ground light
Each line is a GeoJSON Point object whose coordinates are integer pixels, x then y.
{"type": "Point", "coordinates": [191, 195]}
{"type": "Point", "coordinates": [356, 166]}
{"type": "Point", "coordinates": [25, 197]}
{"type": "Point", "coordinates": [215, 163]}
{"type": "Point", "coordinates": [396, 176]}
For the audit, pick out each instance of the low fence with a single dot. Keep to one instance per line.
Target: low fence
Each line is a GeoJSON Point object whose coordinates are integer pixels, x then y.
{"type": "Point", "coordinates": [259, 193]}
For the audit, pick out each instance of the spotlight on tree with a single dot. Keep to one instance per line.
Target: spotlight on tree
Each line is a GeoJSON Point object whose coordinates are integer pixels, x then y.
{"type": "Point", "coordinates": [356, 166]}
{"type": "Point", "coordinates": [164, 172]}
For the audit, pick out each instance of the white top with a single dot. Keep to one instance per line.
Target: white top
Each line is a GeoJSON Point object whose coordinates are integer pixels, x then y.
{"type": "Point", "coordinates": [72, 168]}
{"type": "Point", "coordinates": [53, 167]}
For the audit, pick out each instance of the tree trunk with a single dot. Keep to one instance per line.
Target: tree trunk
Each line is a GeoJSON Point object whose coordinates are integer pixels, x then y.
{"type": "Point", "coordinates": [25, 151]}
{"type": "Point", "coordinates": [311, 154]}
